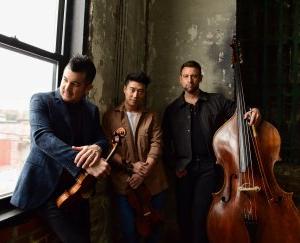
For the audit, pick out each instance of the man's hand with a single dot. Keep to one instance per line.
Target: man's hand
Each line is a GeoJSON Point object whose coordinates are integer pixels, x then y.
{"type": "Point", "coordinates": [253, 116]}
{"type": "Point", "coordinates": [99, 169]}
{"type": "Point", "coordinates": [141, 168]}
{"type": "Point", "coordinates": [87, 156]}
{"type": "Point", "coordinates": [135, 181]}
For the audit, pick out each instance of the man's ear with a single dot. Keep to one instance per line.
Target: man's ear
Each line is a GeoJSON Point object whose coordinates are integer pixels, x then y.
{"type": "Point", "coordinates": [179, 78]}
{"type": "Point", "coordinates": [88, 88]}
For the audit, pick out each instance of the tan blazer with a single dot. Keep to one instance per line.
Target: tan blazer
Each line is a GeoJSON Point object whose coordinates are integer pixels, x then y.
{"type": "Point", "coordinates": [146, 142]}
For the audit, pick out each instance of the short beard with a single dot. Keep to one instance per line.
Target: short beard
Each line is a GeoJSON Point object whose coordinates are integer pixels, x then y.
{"type": "Point", "coordinates": [191, 91]}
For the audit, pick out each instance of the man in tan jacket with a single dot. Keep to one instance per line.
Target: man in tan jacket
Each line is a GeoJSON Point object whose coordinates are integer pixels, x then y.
{"type": "Point", "coordinates": [137, 168]}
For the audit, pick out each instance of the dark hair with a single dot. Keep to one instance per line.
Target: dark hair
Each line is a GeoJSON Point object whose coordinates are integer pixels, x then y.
{"type": "Point", "coordinates": [191, 63]}
{"type": "Point", "coordinates": [139, 77]}
{"type": "Point", "coordinates": [82, 63]}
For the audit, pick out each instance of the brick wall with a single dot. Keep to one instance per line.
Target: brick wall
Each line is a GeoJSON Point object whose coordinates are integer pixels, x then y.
{"type": "Point", "coordinates": [31, 231]}
{"type": "Point", "coordinates": [34, 230]}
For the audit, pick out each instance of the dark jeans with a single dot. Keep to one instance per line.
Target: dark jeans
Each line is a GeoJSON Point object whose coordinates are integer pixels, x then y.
{"type": "Point", "coordinates": [194, 195]}
{"type": "Point", "coordinates": [71, 225]}
{"type": "Point", "coordinates": [127, 218]}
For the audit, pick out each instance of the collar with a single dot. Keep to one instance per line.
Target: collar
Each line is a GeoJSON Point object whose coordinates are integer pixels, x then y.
{"type": "Point", "coordinates": [57, 95]}
{"type": "Point", "coordinates": [121, 107]}
{"type": "Point", "coordinates": [203, 96]}
{"type": "Point", "coordinates": [59, 98]}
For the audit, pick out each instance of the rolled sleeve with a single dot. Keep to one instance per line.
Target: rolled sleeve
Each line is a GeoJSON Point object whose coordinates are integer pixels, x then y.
{"type": "Point", "coordinates": [155, 139]}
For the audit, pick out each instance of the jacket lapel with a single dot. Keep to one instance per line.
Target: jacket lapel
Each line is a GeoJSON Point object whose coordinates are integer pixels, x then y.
{"type": "Point", "coordinates": [61, 109]}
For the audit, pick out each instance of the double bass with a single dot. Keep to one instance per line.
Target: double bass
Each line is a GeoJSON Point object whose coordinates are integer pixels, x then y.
{"type": "Point", "coordinates": [250, 207]}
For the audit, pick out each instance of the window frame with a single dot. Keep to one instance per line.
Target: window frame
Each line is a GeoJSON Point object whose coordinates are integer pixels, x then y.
{"type": "Point", "coordinates": [59, 57]}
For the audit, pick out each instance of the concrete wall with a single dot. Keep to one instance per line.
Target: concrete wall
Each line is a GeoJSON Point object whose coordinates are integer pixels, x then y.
{"type": "Point", "coordinates": [117, 44]}
{"type": "Point", "coordinates": [183, 30]}
{"type": "Point", "coordinates": [157, 37]}
{"type": "Point", "coordinates": [117, 35]}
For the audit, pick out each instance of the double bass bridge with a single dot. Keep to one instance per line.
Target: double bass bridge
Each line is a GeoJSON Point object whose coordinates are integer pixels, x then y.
{"type": "Point", "coordinates": [249, 189]}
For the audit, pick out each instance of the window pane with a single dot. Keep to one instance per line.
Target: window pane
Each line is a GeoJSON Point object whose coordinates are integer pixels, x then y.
{"type": "Point", "coordinates": [21, 77]}
{"type": "Point", "coordinates": [31, 21]}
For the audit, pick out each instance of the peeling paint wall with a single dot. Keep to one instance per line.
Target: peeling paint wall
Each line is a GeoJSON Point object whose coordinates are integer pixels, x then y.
{"type": "Point", "coordinates": [103, 24]}
{"type": "Point", "coordinates": [117, 44]}
{"type": "Point", "coordinates": [198, 30]}
{"type": "Point", "coordinates": [156, 36]}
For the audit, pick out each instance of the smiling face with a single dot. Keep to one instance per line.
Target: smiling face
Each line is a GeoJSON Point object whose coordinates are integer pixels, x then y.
{"type": "Point", "coordinates": [190, 79]}
{"type": "Point", "coordinates": [73, 86]}
{"type": "Point", "coordinates": [134, 95]}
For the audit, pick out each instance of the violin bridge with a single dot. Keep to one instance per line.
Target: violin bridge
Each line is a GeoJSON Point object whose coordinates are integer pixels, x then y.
{"type": "Point", "coordinates": [249, 189]}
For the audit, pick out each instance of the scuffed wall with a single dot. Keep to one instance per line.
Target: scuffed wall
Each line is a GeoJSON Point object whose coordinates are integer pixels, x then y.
{"type": "Point", "coordinates": [157, 37]}
{"type": "Point", "coordinates": [179, 31]}
{"type": "Point", "coordinates": [198, 30]}
{"type": "Point", "coordinates": [117, 35]}
{"type": "Point", "coordinates": [102, 43]}
{"type": "Point", "coordinates": [117, 44]}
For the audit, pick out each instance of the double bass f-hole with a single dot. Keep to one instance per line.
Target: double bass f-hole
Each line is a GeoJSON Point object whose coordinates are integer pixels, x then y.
{"type": "Point", "coordinates": [227, 199]}
{"type": "Point", "coordinates": [85, 182]}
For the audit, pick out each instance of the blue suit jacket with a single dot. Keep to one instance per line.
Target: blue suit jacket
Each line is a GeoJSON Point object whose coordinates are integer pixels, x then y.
{"type": "Point", "coordinates": [51, 150]}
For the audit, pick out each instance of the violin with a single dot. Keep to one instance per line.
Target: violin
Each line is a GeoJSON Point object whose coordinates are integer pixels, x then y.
{"type": "Point", "coordinates": [85, 182]}
{"type": "Point", "coordinates": [146, 217]}
{"type": "Point", "coordinates": [250, 207]}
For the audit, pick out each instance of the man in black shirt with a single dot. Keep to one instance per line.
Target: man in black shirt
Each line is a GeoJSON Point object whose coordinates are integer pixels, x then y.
{"type": "Point", "coordinates": [189, 124]}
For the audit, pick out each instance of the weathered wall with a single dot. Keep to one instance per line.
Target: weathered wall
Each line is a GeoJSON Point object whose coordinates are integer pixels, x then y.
{"type": "Point", "coordinates": [179, 31]}
{"type": "Point", "coordinates": [183, 30]}
{"type": "Point", "coordinates": [117, 44]}
{"type": "Point", "coordinates": [156, 36]}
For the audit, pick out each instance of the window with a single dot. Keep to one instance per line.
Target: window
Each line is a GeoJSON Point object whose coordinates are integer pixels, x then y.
{"type": "Point", "coordinates": [31, 21]}
{"type": "Point", "coordinates": [31, 57]}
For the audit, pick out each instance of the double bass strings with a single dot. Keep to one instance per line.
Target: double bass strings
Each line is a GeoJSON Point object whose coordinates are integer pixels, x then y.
{"type": "Point", "coordinates": [247, 182]}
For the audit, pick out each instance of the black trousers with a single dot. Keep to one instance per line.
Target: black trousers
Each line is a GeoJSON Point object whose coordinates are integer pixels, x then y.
{"type": "Point", "coordinates": [72, 224]}
{"type": "Point", "coordinates": [194, 196]}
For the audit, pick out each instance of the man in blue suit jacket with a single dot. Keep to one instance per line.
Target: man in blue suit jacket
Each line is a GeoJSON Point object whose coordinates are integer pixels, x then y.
{"type": "Point", "coordinates": [66, 139]}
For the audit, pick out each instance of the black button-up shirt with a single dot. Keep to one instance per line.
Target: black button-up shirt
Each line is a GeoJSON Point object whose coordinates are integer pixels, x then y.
{"type": "Point", "coordinates": [199, 148]}
{"type": "Point", "coordinates": [214, 110]}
